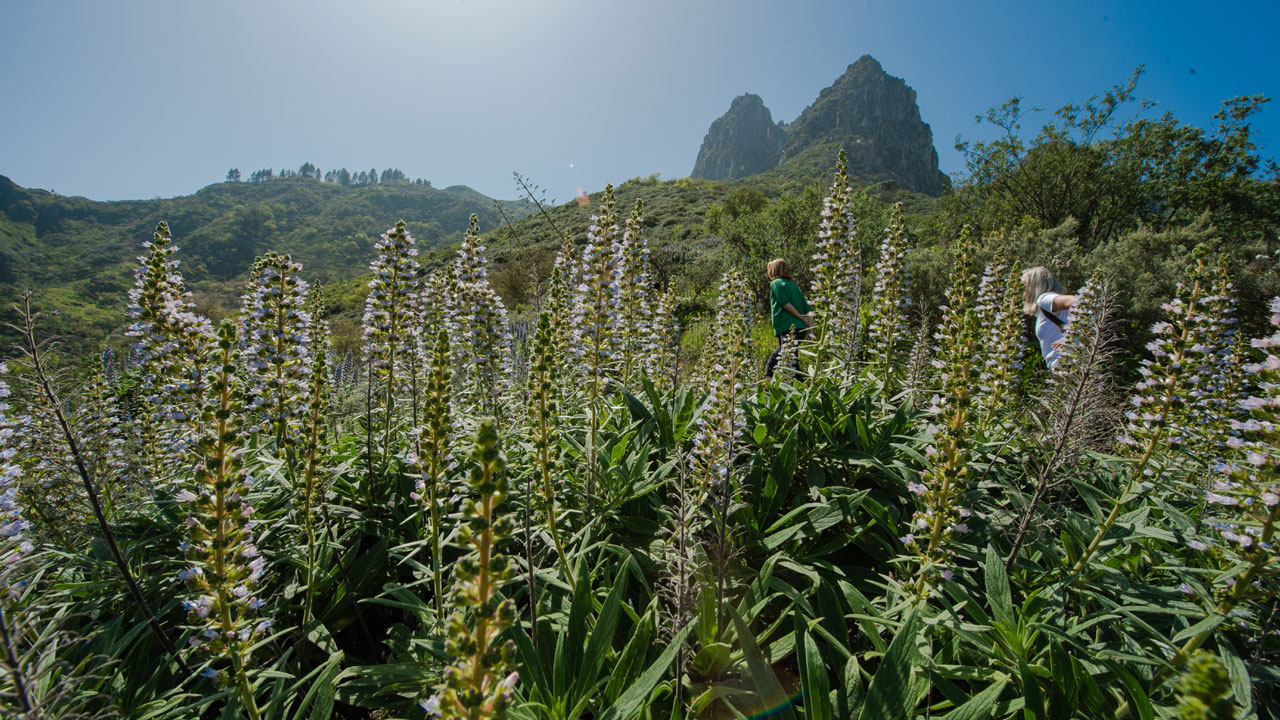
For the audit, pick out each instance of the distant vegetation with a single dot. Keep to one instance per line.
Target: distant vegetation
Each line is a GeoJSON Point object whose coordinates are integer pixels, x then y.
{"type": "Point", "coordinates": [80, 254]}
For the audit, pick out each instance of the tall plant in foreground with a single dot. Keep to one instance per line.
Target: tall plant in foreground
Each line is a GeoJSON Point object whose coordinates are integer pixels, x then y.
{"type": "Point", "coordinates": [1000, 320]}
{"type": "Point", "coordinates": [431, 454]}
{"type": "Point", "coordinates": [544, 419]}
{"type": "Point", "coordinates": [890, 300]}
{"type": "Point", "coordinates": [13, 540]}
{"type": "Point", "coordinates": [276, 333]}
{"type": "Point", "coordinates": [388, 318]}
{"type": "Point", "coordinates": [482, 334]}
{"type": "Point", "coordinates": [946, 478]}
{"type": "Point", "coordinates": [477, 686]}
{"type": "Point", "coordinates": [1159, 398]}
{"type": "Point", "coordinates": [226, 566]}
{"type": "Point", "coordinates": [837, 269]}
{"type": "Point", "coordinates": [311, 492]}
{"type": "Point", "coordinates": [1246, 499]}
{"type": "Point", "coordinates": [593, 321]}
{"type": "Point", "coordinates": [1079, 408]}
{"type": "Point", "coordinates": [633, 296]}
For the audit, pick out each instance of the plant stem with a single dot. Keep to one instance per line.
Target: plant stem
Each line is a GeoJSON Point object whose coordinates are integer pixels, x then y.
{"type": "Point", "coordinates": [11, 658]}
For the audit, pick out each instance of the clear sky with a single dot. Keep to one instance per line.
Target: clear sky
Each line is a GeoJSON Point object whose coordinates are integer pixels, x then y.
{"type": "Point", "coordinates": [120, 100]}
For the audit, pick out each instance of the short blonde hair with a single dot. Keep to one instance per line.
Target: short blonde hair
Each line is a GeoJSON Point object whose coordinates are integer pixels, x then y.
{"type": "Point", "coordinates": [778, 268]}
{"type": "Point", "coordinates": [1038, 281]}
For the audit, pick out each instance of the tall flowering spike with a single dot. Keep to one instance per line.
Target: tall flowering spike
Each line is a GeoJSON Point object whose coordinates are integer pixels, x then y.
{"type": "Point", "coordinates": [14, 542]}
{"type": "Point", "coordinates": [887, 319]}
{"type": "Point", "coordinates": [157, 296]}
{"type": "Point", "coordinates": [314, 435]}
{"type": "Point", "coordinates": [1215, 374]}
{"type": "Point", "coordinates": [732, 327]}
{"type": "Point", "coordinates": [478, 685]}
{"type": "Point", "coordinates": [483, 335]}
{"type": "Point", "coordinates": [1160, 398]}
{"type": "Point", "coordinates": [663, 346]}
{"type": "Point", "coordinates": [226, 567]}
{"type": "Point", "coordinates": [718, 425]}
{"type": "Point", "coordinates": [1246, 497]}
{"type": "Point", "coordinates": [544, 425]}
{"type": "Point", "coordinates": [595, 299]}
{"type": "Point", "coordinates": [633, 296]}
{"type": "Point", "coordinates": [946, 478]}
{"type": "Point", "coordinates": [1000, 320]}
{"type": "Point", "coordinates": [102, 443]}
{"type": "Point", "coordinates": [431, 450]}
{"type": "Point", "coordinates": [389, 313]}
{"type": "Point", "coordinates": [837, 269]}
{"type": "Point", "coordinates": [276, 331]}
{"type": "Point", "coordinates": [560, 303]}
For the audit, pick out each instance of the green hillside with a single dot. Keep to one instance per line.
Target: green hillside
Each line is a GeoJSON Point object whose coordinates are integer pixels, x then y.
{"type": "Point", "coordinates": [80, 254]}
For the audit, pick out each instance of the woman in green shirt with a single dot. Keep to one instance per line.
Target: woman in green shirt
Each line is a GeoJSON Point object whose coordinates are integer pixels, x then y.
{"type": "Point", "coordinates": [789, 309]}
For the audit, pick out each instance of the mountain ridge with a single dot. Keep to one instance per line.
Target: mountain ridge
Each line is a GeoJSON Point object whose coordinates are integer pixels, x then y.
{"type": "Point", "coordinates": [868, 113]}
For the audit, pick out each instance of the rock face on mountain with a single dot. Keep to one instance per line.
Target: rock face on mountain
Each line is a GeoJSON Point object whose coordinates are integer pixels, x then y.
{"type": "Point", "coordinates": [742, 142]}
{"type": "Point", "coordinates": [870, 114]}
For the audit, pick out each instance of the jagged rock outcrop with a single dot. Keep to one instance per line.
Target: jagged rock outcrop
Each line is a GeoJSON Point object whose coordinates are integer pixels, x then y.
{"type": "Point", "coordinates": [872, 115]}
{"type": "Point", "coordinates": [742, 142]}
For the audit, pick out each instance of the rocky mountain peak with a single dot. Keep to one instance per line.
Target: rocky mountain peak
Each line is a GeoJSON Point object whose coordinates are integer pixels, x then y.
{"type": "Point", "coordinates": [744, 141]}
{"type": "Point", "coordinates": [872, 115]}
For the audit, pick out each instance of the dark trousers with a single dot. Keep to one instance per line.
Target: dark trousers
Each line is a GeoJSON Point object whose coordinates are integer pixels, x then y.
{"type": "Point", "coordinates": [795, 335]}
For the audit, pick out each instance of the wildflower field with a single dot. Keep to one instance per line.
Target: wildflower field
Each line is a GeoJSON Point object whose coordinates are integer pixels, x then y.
{"type": "Point", "coordinates": [571, 514]}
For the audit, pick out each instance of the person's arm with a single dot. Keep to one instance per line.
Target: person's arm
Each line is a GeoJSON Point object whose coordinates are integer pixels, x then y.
{"type": "Point", "coordinates": [1062, 302]}
{"type": "Point", "coordinates": [808, 321]}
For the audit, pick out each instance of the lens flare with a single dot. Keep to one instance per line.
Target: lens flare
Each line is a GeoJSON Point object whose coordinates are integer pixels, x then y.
{"type": "Point", "coordinates": [777, 710]}
{"type": "Point", "coordinates": [582, 198]}
{"type": "Point", "coordinates": [570, 166]}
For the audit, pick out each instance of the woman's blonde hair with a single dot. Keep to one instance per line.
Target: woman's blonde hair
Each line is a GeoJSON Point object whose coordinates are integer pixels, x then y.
{"type": "Point", "coordinates": [1038, 281]}
{"type": "Point", "coordinates": [778, 268]}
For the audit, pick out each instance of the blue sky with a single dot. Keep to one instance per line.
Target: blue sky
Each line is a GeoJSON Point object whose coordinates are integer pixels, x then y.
{"type": "Point", "coordinates": [119, 100]}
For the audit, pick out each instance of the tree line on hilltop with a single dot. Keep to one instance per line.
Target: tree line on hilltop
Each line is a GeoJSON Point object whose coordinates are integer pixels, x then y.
{"type": "Point", "coordinates": [341, 176]}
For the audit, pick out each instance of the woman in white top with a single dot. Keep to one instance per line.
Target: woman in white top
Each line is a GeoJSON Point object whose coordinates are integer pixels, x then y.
{"type": "Point", "coordinates": [1045, 298]}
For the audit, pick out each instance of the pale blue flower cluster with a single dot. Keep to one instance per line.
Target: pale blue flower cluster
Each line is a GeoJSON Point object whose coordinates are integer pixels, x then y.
{"type": "Point", "coordinates": [890, 300]}
{"type": "Point", "coordinates": [13, 540]}
{"type": "Point", "coordinates": [482, 333]}
{"type": "Point", "coordinates": [389, 317]}
{"type": "Point", "coordinates": [276, 330]}
{"type": "Point", "coordinates": [837, 269]}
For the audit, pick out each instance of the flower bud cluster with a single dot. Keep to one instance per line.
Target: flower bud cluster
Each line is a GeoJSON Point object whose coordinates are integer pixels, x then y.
{"type": "Point", "coordinates": [431, 440]}
{"type": "Point", "coordinates": [276, 330]}
{"type": "Point", "coordinates": [632, 297]}
{"type": "Point", "coordinates": [226, 567]}
{"type": "Point", "coordinates": [479, 683]}
{"type": "Point", "coordinates": [595, 299]}
{"type": "Point", "coordinates": [837, 268]}
{"type": "Point", "coordinates": [945, 479]}
{"type": "Point", "coordinates": [14, 542]}
{"type": "Point", "coordinates": [890, 300]}
{"type": "Point", "coordinates": [482, 337]}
